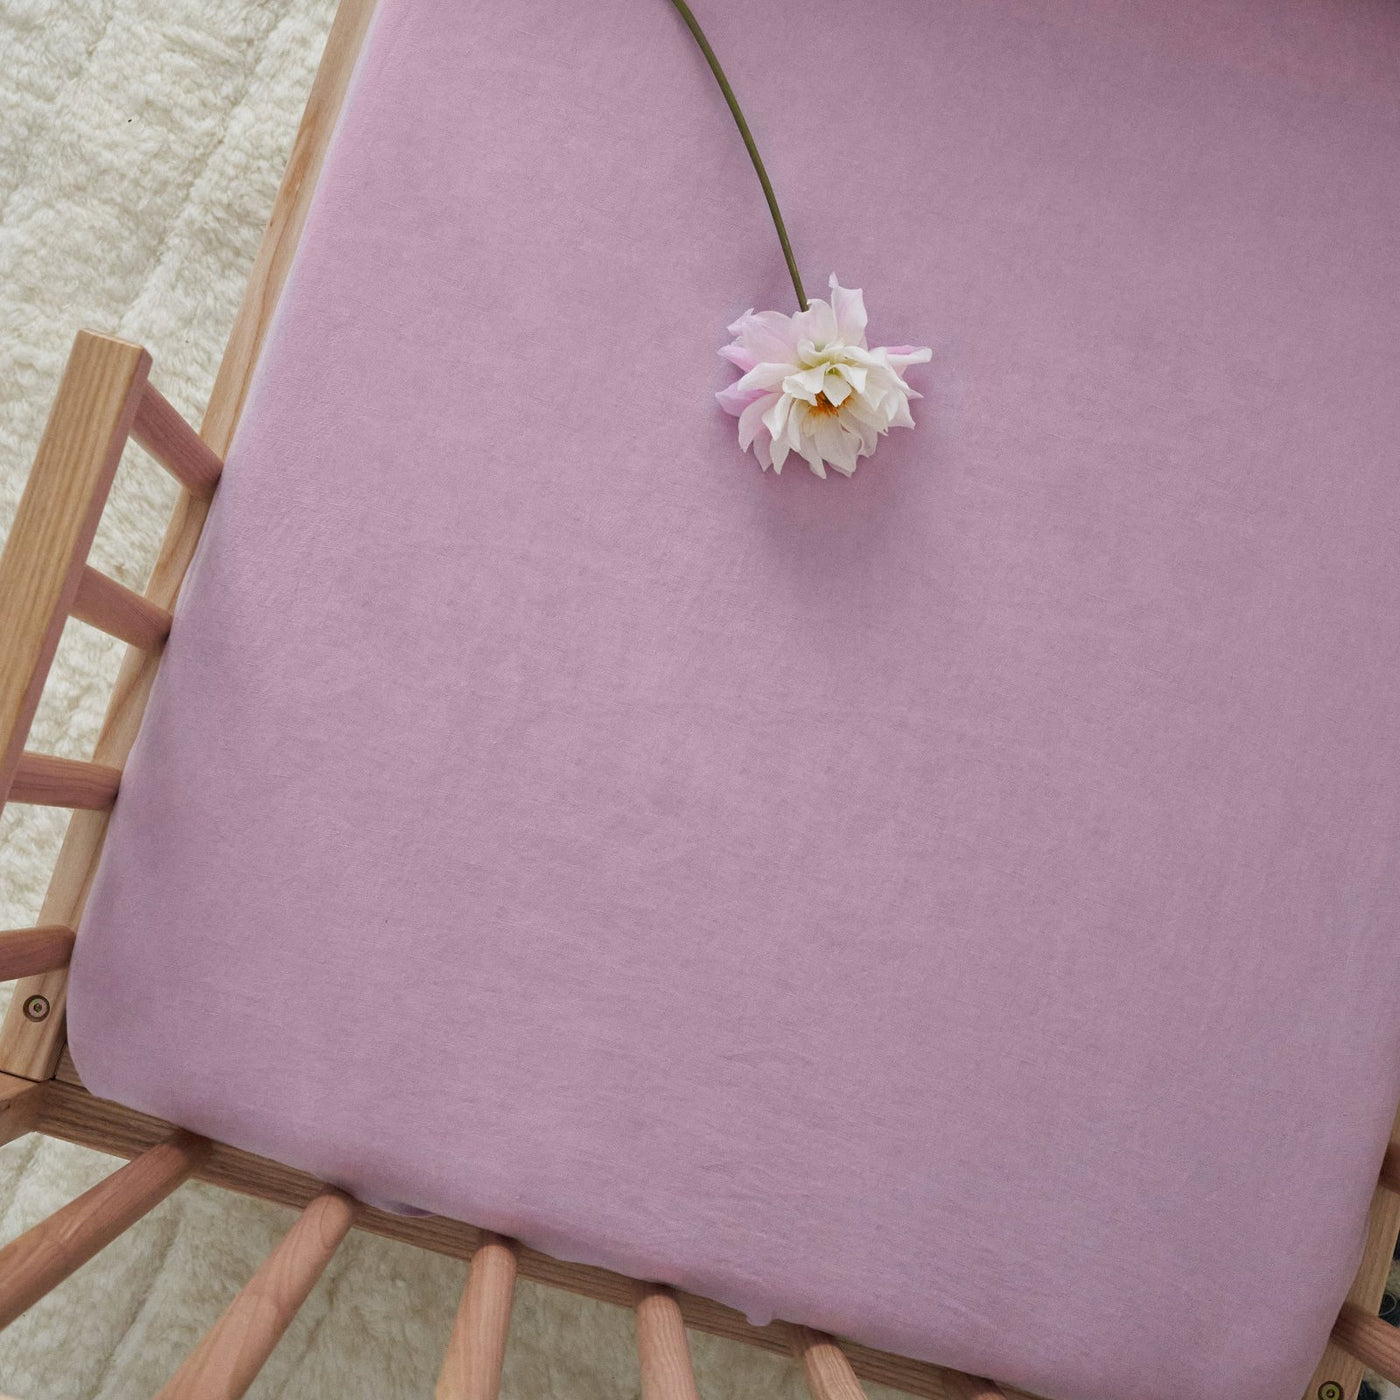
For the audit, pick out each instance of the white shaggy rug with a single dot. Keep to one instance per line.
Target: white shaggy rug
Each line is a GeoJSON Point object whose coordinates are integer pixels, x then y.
{"type": "Point", "coordinates": [141, 146]}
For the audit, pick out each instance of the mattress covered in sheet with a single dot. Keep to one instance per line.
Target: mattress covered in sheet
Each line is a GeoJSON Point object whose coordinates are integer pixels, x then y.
{"type": "Point", "coordinates": [954, 907]}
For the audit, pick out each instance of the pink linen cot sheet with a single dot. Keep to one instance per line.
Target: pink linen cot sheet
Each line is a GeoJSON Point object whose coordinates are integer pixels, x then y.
{"type": "Point", "coordinates": [953, 907]}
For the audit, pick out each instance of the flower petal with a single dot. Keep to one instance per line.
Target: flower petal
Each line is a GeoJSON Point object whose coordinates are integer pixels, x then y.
{"type": "Point", "coordinates": [901, 417]}
{"type": "Point", "coordinates": [765, 377]}
{"type": "Point", "coordinates": [848, 310]}
{"type": "Point", "coordinates": [751, 419]}
{"type": "Point", "coordinates": [778, 452]}
{"type": "Point", "coordinates": [800, 436]}
{"type": "Point", "coordinates": [733, 399]}
{"type": "Point", "coordinates": [836, 388]}
{"type": "Point", "coordinates": [857, 415]}
{"type": "Point", "coordinates": [768, 334]}
{"type": "Point", "coordinates": [817, 324]}
{"type": "Point", "coordinates": [775, 418]}
{"type": "Point", "coordinates": [868, 438]}
{"type": "Point", "coordinates": [762, 446]}
{"type": "Point", "coordinates": [795, 369]}
{"type": "Point", "coordinates": [806, 384]}
{"type": "Point", "coordinates": [856, 376]}
{"type": "Point", "coordinates": [796, 424]}
{"type": "Point", "coordinates": [838, 446]}
{"type": "Point", "coordinates": [901, 355]}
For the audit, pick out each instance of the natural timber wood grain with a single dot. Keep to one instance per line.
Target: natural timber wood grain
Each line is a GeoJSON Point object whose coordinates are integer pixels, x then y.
{"type": "Point", "coordinates": [1338, 1364]}
{"type": "Point", "coordinates": [19, 1106]}
{"type": "Point", "coordinates": [476, 1350]}
{"type": "Point", "coordinates": [161, 430]}
{"type": "Point", "coordinates": [57, 517]}
{"type": "Point", "coordinates": [1371, 1341]}
{"type": "Point", "coordinates": [43, 1257]}
{"type": "Point", "coordinates": [663, 1354]}
{"type": "Point", "coordinates": [67, 1070]}
{"type": "Point", "coordinates": [70, 1112]}
{"type": "Point", "coordinates": [234, 1350]}
{"type": "Point", "coordinates": [26, 951]}
{"type": "Point", "coordinates": [824, 1365]}
{"type": "Point", "coordinates": [64, 782]}
{"type": "Point", "coordinates": [32, 1048]}
{"type": "Point", "coordinates": [283, 232]}
{"type": "Point", "coordinates": [1390, 1169]}
{"type": "Point", "coordinates": [962, 1387]}
{"type": "Point", "coordinates": [104, 603]}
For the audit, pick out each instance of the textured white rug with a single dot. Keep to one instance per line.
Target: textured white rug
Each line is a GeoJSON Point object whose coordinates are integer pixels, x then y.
{"type": "Point", "coordinates": [141, 146]}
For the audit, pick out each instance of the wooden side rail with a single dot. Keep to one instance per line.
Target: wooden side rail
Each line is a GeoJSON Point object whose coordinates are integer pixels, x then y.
{"type": "Point", "coordinates": [476, 1350]}
{"type": "Point", "coordinates": [20, 1103]}
{"type": "Point", "coordinates": [1373, 1342]}
{"type": "Point", "coordinates": [830, 1375]}
{"type": "Point", "coordinates": [663, 1354]}
{"type": "Point", "coordinates": [111, 607]}
{"type": "Point", "coordinates": [24, 952]}
{"type": "Point", "coordinates": [234, 1350]}
{"type": "Point", "coordinates": [64, 782]}
{"type": "Point", "coordinates": [1339, 1370]}
{"type": "Point", "coordinates": [31, 1045]}
{"type": "Point", "coordinates": [54, 526]}
{"type": "Point", "coordinates": [1390, 1170]}
{"type": "Point", "coordinates": [66, 1110]}
{"type": "Point", "coordinates": [161, 430]}
{"type": "Point", "coordinates": [961, 1387]}
{"type": "Point", "coordinates": [824, 1365]}
{"type": "Point", "coordinates": [103, 398]}
{"type": "Point", "coordinates": [42, 1258]}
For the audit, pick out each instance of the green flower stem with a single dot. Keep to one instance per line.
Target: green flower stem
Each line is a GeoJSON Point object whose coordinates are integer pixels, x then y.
{"type": "Point", "coordinates": [692, 24]}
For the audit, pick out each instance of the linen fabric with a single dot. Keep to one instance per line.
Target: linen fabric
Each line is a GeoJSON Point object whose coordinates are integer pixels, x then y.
{"type": "Point", "coordinates": [953, 907]}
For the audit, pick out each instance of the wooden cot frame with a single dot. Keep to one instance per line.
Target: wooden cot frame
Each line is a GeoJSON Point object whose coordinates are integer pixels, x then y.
{"type": "Point", "coordinates": [105, 396]}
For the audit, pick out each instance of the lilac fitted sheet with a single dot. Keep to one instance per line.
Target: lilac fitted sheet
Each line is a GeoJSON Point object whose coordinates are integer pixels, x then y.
{"type": "Point", "coordinates": [954, 907]}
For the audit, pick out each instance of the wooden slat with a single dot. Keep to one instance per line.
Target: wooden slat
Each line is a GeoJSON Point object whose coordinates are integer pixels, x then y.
{"type": "Point", "coordinates": [66, 1070]}
{"type": "Point", "coordinates": [56, 520]}
{"type": "Point", "coordinates": [961, 1387]}
{"type": "Point", "coordinates": [1390, 1170]}
{"type": "Point", "coordinates": [163, 432]}
{"type": "Point", "coordinates": [280, 239]}
{"type": "Point", "coordinates": [234, 1350]}
{"type": "Point", "coordinates": [1338, 1367]}
{"type": "Point", "coordinates": [32, 1048]}
{"type": "Point", "coordinates": [824, 1365]}
{"type": "Point", "coordinates": [1370, 1341]}
{"type": "Point", "coordinates": [663, 1353]}
{"type": "Point", "coordinates": [476, 1351]}
{"type": "Point", "coordinates": [26, 951]}
{"type": "Point", "coordinates": [64, 782]}
{"type": "Point", "coordinates": [104, 603]}
{"type": "Point", "coordinates": [20, 1100]}
{"type": "Point", "coordinates": [70, 1112]}
{"type": "Point", "coordinates": [44, 1256]}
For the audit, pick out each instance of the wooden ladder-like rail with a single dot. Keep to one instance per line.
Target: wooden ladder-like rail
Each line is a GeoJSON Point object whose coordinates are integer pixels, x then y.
{"type": "Point", "coordinates": [227, 1360]}
{"type": "Point", "coordinates": [104, 398]}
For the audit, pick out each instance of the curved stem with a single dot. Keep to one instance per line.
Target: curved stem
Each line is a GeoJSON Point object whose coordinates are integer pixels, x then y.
{"type": "Point", "coordinates": [693, 25]}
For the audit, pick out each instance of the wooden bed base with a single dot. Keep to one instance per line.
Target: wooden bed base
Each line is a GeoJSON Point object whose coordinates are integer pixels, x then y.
{"type": "Point", "coordinates": [105, 397]}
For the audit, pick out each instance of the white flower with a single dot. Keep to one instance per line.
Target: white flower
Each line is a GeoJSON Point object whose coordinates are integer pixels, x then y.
{"type": "Point", "coordinates": [812, 386]}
